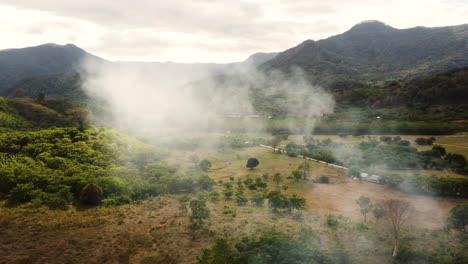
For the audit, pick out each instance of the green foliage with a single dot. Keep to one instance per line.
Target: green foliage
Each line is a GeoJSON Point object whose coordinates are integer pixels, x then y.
{"type": "Point", "coordinates": [221, 252]}
{"type": "Point", "coordinates": [278, 201]}
{"type": "Point", "coordinates": [430, 185]}
{"type": "Point", "coordinates": [332, 221]}
{"type": "Point", "coordinates": [424, 141]}
{"type": "Point", "coordinates": [297, 174]}
{"type": "Point", "coordinates": [277, 178]}
{"type": "Point", "coordinates": [205, 165]}
{"type": "Point", "coordinates": [393, 153]}
{"type": "Point", "coordinates": [241, 199]}
{"type": "Point", "coordinates": [252, 163]}
{"type": "Point", "coordinates": [37, 165]}
{"type": "Point", "coordinates": [365, 205]}
{"type": "Point", "coordinates": [91, 194]}
{"type": "Point", "coordinates": [199, 211]}
{"type": "Point", "coordinates": [258, 199]}
{"type": "Point", "coordinates": [269, 246]}
{"type": "Point", "coordinates": [228, 194]}
{"type": "Point", "coordinates": [458, 218]}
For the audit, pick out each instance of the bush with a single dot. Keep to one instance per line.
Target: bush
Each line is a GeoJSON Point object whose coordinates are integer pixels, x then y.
{"type": "Point", "coordinates": [332, 221]}
{"type": "Point", "coordinates": [22, 192]}
{"type": "Point", "coordinates": [424, 141]}
{"type": "Point", "coordinates": [91, 194]}
{"type": "Point", "coordinates": [205, 165]}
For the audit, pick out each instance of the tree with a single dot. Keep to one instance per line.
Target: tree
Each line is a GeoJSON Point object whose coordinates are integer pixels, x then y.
{"type": "Point", "coordinates": [365, 205]}
{"type": "Point", "coordinates": [440, 151]}
{"type": "Point", "coordinates": [241, 199]}
{"type": "Point", "coordinates": [277, 178]}
{"type": "Point", "coordinates": [458, 218]}
{"type": "Point", "coordinates": [305, 168]}
{"type": "Point", "coordinates": [276, 200]}
{"type": "Point", "coordinates": [80, 116]}
{"type": "Point", "coordinates": [398, 212]}
{"type": "Point", "coordinates": [205, 165]}
{"type": "Point", "coordinates": [252, 163]}
{"type": "Point", "coordinates": [183, 201]}
{"type": "Point", "coordinates": [297, 203]}
{"type": "Point", "coordinates": [41, 97]}
{"type": "Point", "coordinates": [91, 194]}
{"type": "Point", "coordinates": [199, 211]}
{"type": "Point", "coordinates": [258, 199]}
{"type": "Point", "coordinates": [275, 142]}
{"type": "Point", "coordinates": [221, 252]}
{"type": "Point", "coordinates": [228, 194]}
{"type": "Point", "coordinates": [378, 213]}
{"type": "Point", "coordinates": [297, 174]}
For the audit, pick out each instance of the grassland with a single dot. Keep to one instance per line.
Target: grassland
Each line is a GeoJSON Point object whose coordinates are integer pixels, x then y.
{"type": "Point", "coordinates": [157, 230]}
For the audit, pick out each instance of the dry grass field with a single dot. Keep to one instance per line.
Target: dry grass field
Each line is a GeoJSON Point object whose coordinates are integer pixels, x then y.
{"type": "Point", "coordinates": [157, 230]}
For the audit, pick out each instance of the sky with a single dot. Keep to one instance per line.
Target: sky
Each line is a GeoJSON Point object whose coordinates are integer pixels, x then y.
{"type": "Point", "coordinates": [205, 30]}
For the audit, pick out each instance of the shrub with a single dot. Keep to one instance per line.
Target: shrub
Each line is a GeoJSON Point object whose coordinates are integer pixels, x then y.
{"type": "Point", "coordinates": [205, 165]}
{"type": "Point", "coordinates": [91, 194]}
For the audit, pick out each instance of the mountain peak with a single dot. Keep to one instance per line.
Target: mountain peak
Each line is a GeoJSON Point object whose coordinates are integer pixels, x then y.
{"type": "Point", "coordinates": [370, 26]}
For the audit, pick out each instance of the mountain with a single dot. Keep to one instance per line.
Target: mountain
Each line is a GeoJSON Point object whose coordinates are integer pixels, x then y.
{"type": "Point", "coordinates": [18, 64]}
{"type": "Point", "coordinates": [372, 51]}
{"type": "Point", "coordinates": [54, 69]}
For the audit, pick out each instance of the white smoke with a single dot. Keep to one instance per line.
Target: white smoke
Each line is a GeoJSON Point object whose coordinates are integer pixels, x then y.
{"type": "Point", "coordinates": [154, 99]}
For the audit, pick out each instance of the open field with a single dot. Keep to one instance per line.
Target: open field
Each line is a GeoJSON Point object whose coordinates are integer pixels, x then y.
{"type": "Point", "coordinates": [336, 198]}
{"type": "Point", "coordinates": [157, 230]}
{"type": "Point", "coordinates": [457, 144]}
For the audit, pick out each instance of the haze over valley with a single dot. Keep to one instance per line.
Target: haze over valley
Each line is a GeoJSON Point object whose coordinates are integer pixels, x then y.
{"type": "Point", "coordinates": [349, 147]}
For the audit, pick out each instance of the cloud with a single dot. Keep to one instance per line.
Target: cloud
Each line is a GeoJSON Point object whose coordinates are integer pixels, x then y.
{"type": "Point", "coordinates": [205, 30]}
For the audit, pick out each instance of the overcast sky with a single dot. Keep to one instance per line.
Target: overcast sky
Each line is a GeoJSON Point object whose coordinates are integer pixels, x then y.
{"type": "Point", "coordinates": [204, 30]}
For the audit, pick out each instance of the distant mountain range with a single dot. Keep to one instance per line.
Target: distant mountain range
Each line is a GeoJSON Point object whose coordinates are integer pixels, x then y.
{"type": "Point", "coordinates": [369, 55]}
{"type": "Point", "coordinates": [373, 51]}
{"type": "Point", "coordinates": [44, 65]}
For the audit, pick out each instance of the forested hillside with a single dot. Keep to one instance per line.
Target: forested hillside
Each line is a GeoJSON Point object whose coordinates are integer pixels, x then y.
{"type": "Point", "coordinates": [371, 52]}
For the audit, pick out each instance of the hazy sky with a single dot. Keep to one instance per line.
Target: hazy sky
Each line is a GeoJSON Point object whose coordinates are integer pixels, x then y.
{"type": "Point", "coordinates": [204, 30]}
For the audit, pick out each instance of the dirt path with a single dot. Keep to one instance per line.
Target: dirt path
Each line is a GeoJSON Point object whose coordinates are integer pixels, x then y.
{"type": "Point", "coordinates": [450, 145]}
{"type": "Point", "coordinates": [307, 158]}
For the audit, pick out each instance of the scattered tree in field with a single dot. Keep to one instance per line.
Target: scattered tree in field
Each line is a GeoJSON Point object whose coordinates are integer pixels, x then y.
{"type": "Point", "coordinates": [276, 200]}
{"type": "Point", "coordinates": [398, 212]}
{"type": "Point", "coordinates": [354, 173]}
{"type": "Point", "coordinates": [277, 178]}
{"type": "Point", "coordinates": [199, 211]}
{"type": "Point", "coordinates": [458, 218]}
{"type": "Point", "coordinates": [241, 199]}
{"type": "Point", "coordinates": [252, 163]}
{"type": "Point", "coordinates": [424, 141]}
{"type": "Point", "coordinates": [365, 205]}
{"type": "Point", "coordinates": [378, 212]}
{"type": "Point", "coordinates": [221, 252]}
{"type": "Point", "coordinates": [80, 116]}
{"type": "Point", "coordinates": [275, 142]}
{"type": "Point", "coordinates": [385, 139]}
{"type": "Point", "coordinates": [304, 167]}
{"type": "Point", "coordinates": [258, 199]}
{"type": "Point", "coordinates": [91, 194]}
{"type": "Point", "coordinates": [40, 99]}
{"type": "Point", "coordinates": [297, 203]}
{"type": "Point", "coordinates": [205, 165]}
{"type": "Point", "coordinates": [297, 174]}
{"type": "Point", "coordinates": [265, 176]}
{"type": "Point", "coordinates": [440, 151]}
{"type": "Point", "coordinates": [228, 194]}
{"type": "Point", "coordinates": [183, 202]}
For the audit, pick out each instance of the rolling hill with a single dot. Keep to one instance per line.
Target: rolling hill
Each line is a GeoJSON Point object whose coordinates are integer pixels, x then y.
{"type": "Point", "coordinates": [372, 51]}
